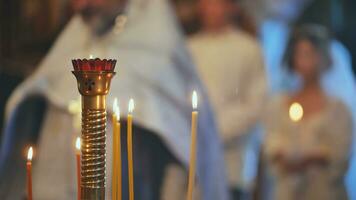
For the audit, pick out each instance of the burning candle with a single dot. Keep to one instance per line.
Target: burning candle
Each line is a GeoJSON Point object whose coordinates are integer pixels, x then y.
{"type": "Point", "coordinates": [29, 173]}
{"type": "Point", "coordinates": [114, 167]}
{"type": "Point", "coordinates": [116, 179]}
{"type": "Point", "coordinates": [77, 155]}
{"type": "Point", "coordinates": [193, 147]}
{"type": "Point", "coordinates": [129, 149]}
{"type": "Point", "coordinates": [296, 112]}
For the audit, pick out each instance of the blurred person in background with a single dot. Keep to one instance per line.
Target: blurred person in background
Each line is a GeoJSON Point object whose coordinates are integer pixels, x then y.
{"type": "Point", "coordinates": [309, 158]}
{"type": "Point", "coordinates": [149, 45]}
{"type": "Point", "coordinates": [338, 16]}
{"type": "Point", "coordinates": [230, 64]}
{"type": "Point", "coordinates": [338, 81]}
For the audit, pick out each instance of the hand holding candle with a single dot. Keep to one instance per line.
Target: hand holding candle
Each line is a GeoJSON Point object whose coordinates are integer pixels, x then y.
{"type": "Point", "coordinates": [129, 149]}
{"type": "Point", "coordinates": [193, 147]}
{"type": "Point", "coordinates": [77, 155]}
{"type": "Point", "coordinates": [293, 155]}
{"type": "Point", "coordinates": [29, 173]}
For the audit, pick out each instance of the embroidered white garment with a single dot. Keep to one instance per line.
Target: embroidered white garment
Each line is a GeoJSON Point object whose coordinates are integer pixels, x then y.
{"type": "Point", "coordinates": [154, 69]}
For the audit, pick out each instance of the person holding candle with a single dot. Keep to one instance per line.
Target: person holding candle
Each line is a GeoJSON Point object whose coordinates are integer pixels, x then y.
{"type": "Point", "coordinates": [154, 69]}
{"type": "Point", "coordinates": [275, 30]}
{"type": "Point", "coordinates": [308, 150]}
{"type": "Point", "coordinates": [236, 85]}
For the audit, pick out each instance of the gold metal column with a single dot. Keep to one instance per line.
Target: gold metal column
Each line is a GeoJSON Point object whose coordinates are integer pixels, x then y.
{"type": "Point", "coordinates": [93, 77]}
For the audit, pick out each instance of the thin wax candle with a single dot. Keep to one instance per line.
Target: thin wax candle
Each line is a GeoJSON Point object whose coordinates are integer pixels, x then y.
{"type": "Point", "coordinates": [29, 173]}
{"type": "Point", "coordinates": [117, 174]}
{"type": "Point", "coordinates": [77, 156]}
{"type": "Point", "coordinates": [129, 149]}
{"type": "Point", "coordinates": [193, 147]}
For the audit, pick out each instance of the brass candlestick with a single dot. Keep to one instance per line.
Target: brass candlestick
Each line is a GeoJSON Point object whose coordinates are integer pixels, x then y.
{"type": "Point", "coordinates": [93, 77]}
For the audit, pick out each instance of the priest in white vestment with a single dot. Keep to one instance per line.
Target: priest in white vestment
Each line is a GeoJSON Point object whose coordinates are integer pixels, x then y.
{"type": "Point", "coordinates": [230, 63]}
{"type": "Point", "coordinates": [154, 69]}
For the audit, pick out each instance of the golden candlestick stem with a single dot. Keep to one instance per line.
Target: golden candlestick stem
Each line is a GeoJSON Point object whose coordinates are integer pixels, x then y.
{"type": "Point", "coordinates": [93, 86]}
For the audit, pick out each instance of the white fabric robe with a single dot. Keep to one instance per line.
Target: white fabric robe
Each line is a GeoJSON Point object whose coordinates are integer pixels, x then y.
{"type": "Point", "coordinates": [153, 68]}
{"type": "Point", "coordinates": [231, 65]}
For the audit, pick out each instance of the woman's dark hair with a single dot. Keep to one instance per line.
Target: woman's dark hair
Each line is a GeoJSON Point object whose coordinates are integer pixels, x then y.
{"type": "Point", "coordinates": [318, 36]}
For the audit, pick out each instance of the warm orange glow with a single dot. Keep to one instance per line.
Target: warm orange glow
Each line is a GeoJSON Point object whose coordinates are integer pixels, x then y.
{"type": "Point", "coordinates": [296, 112]}
{"type": "Point", "coordinates": [30, 154]}
{"type": "Point", "coordinates": [195, 100]}
{"type": "Point", "coordinates": [78, 143]}
{"type": "Point", "coordinates": [131, 105]}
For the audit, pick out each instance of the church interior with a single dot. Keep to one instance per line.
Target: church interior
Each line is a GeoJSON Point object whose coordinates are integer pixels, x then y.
{"type": "Point", "coordinates": [178, 99]}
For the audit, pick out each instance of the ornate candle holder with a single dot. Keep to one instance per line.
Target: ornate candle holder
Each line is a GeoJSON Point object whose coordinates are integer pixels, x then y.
{"type": "Point", "coordinates": [93, 77]}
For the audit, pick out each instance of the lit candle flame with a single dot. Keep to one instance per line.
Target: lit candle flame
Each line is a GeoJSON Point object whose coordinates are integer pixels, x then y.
{"type": "Point", "coordinates": [131, 105]}
{"type": "Point", "coordinates": [116, 109]}
{"type": "Point", "coordinates": [118, 113]}
{"type": "Point", "coordinates": [78, 143]}
{"type": "Point", "coordinates": [194, 100]}
{"type": "Point", "coordinates": [30, 154]}
{"type": "Point", "coordinates": [91, 56]}
{"type": "Point", "coordinates": [296, 112]}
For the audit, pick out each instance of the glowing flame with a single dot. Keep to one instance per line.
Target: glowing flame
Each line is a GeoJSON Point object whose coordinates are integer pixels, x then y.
{"type": "Point", "coordinates": [296, 112]}
{"type": "Point", "coordinates": [30, 154]}
{"type": "Point", "coordinates": [91, 56]}
{"type": "Point", "coordinates": [77, 143]}
{"type": "Point", "coordinates": [131, 105]}
{"type": "Point", "coordinates": [195, 100]}
{"type": "Point", "coordinates": [118, 113]}
{"type": "Point", "coordinates": [116, 109]}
